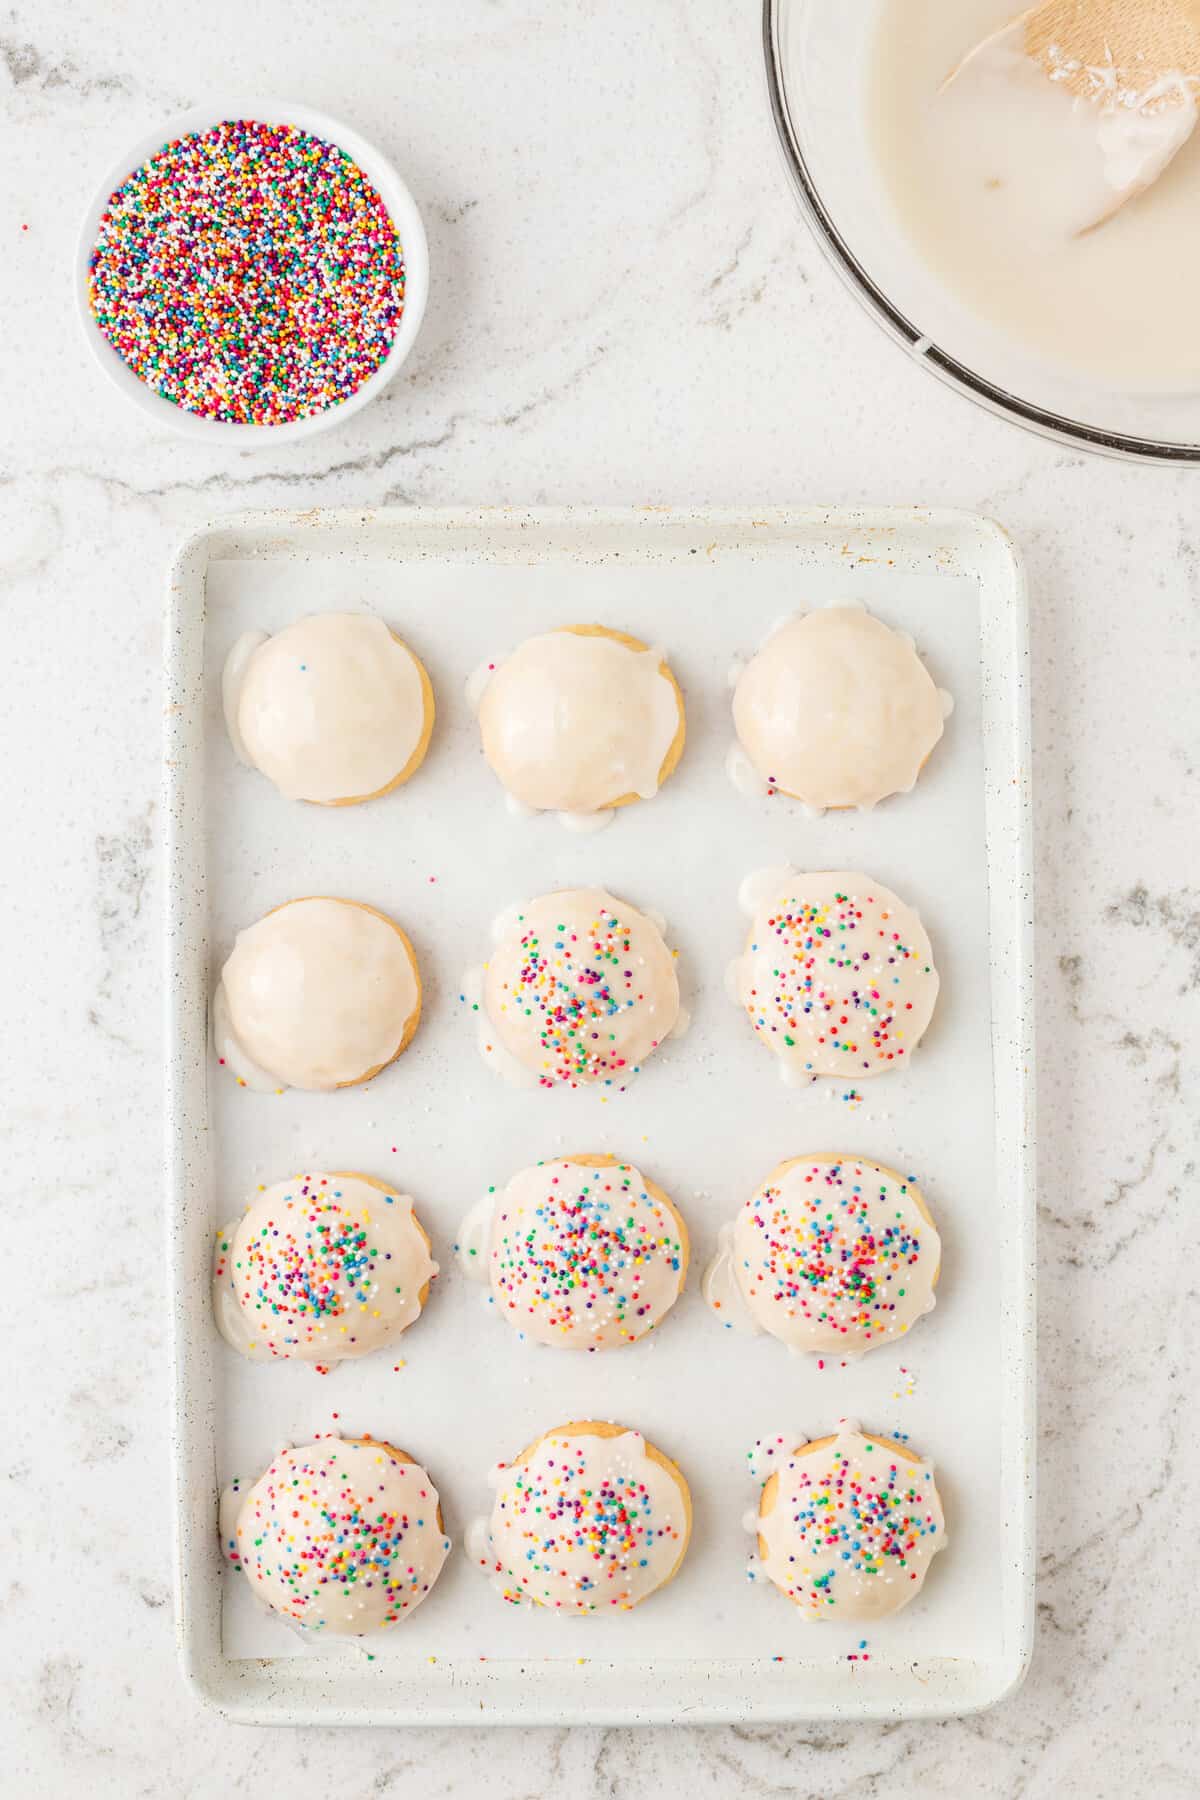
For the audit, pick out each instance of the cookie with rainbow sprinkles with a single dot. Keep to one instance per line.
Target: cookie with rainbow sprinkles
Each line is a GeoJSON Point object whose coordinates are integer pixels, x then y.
{"type": "Point", "coordinates": [591, 1518]}
{"type": "Point", "coordinates": [848, 1525]}
{"type": "Point", "coordinates": [343, 1537]}
{"type": "Point", "coordinates": [832, 1254]}
{"type": "Point", "coordinates": [837, 976]}
{"type": "Point", "coordinates": [321, 1268]}
{"type": "Point", "coordinates": [580, 989]}
{"type": "Point", "coordinates": [579, 1252]}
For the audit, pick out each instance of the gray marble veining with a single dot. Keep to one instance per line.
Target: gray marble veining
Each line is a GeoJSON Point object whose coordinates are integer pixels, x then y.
{"type": "Point", "coordinates": [624, 309]}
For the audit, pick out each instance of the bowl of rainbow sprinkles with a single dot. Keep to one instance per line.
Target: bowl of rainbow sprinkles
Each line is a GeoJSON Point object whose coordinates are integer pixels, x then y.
{"type": "Point", "coordinates": [252, 273]}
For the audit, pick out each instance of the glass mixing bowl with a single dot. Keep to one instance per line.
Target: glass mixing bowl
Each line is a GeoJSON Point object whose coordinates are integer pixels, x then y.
{"type": "Point", "coordinates": [818, 53]}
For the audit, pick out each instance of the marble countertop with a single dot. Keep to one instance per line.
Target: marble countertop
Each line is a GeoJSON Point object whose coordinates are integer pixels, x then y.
{"type": "Point", "coordinates": [625, 308]}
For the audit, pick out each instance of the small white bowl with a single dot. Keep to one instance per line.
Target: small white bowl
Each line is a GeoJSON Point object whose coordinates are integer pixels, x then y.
{"type": "Point", "coordinates": [392, 191]}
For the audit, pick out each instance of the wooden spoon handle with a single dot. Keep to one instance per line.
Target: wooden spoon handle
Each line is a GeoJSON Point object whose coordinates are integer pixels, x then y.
{"type": "Point", "coordinates": [1142, 42]}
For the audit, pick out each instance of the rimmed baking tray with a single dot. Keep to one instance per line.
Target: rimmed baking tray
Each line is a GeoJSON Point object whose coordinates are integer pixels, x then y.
{"type": "Point", "coordinates": [707, 1119]}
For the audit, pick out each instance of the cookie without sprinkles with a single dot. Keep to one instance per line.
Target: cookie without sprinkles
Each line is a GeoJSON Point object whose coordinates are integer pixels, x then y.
{"type": "Point", "coordinates": [250, 274]}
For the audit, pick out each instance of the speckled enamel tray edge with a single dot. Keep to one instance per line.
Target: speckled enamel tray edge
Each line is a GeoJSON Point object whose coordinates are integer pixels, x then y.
{"type": "Point", "coordinates": [561, 1690]}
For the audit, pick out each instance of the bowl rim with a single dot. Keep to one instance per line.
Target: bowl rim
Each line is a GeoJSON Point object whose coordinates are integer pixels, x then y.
{"type": "Point", "coordinates": [920, 346]}
{"type": "Point", "coordinates": [382, 175]}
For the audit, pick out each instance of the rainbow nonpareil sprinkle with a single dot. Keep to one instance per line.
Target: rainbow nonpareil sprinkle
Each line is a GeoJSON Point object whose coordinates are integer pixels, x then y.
{"type": "Point", "coordinates": [249, 274]}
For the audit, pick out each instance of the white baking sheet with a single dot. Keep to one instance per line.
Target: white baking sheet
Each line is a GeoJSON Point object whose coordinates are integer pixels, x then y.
{"type": "Point", "coordinates": [707, 1118]}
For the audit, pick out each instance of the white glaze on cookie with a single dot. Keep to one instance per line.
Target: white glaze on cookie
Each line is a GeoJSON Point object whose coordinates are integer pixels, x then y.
{"type": "Point", "coordinates": [853, 1527]}
{"type": "Point", "coordinates": [320, 1268]}
{"type": "Point", "coordinates": [580, 1256]}
{"type": "Point", "coordinates": [743, 774]}
{"type": "Point", "coordinates": [831, 1255]}
{"type": "Point", "coordinates": [340, 1537]}
{"type": "Point", "coordinates": [233, 674]}
{"type": "Point", "coordinates": [837, 709]}
{"type": "Point", "coordinates": [766, 1455]}
{"type": "Point", "coordinates": [722, 1291]}
{"type": "Point", "coordinates": [581, 988]}
{"type": "Point", "coordinates": [583, 1524]}
{"type": "Point", "coordinates": [837, 976]}
{"type": "Point", "coordinates": [487, 1039]}
{"type": "Point", "coordinates": [317, 993]}
{"type": "Point", "coordinates": [572, 722]}
{"type": "Point", "coordinates": [473, 1246]}
{"type": "Point", "coordinates": [330, 708]}
{"type": "Point", "coordinates": [233, 1056]}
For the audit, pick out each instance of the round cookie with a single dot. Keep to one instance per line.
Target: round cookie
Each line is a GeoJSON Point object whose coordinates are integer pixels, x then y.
{"type": "Point", "coordinates": [343, 1537]}
{"type": "Point", "coordinates": [837, 710]}
{"type": "Point", "coordinates": [837, 976]}
{"type": "Point", "coordinates": [582, 720]}
{"type": "Point", "coordinates": [582, 1252]}
{"type": "Point", "coordinates": [320, 1269]}
{"type": "Point", "coordinates": [589, 1519]}
{"type": "Point", "coordinates": [580, 988]}
{"type": "Point", "coordinates": [832, 1255]}
{"type": "Point", "coordinates": [334, 709]}
{"type": "Point", "coordinates": [848, 1525]}
{"type": "Point", "coordinates": [320, 993]}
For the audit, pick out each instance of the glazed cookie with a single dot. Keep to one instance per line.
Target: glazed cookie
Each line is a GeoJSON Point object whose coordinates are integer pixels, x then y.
{"type": "Point", "coordinates": [832, 1255]}
{"type": "Point", "coordinates": [580, 988]}
{"type": "Point", "coordinates": [320, 993]}
{"type": "Point", "coordinates": [848, 1525]}
{"type": "Point", "coordinates": [837, 976]}
{"type": "Point", "coordinates": [335, 708]}
{"type": "Point", "coordinates": [581, 1252]}
{"type": "Point", "coordinates": [837, 710]}
{"type": "Point", "coordinates": [581, 721]}
{"type": "Point", "coordinates": [342, 1537]}
{"type": "Point", "coordinates": [321, 1268]}
{"type": "Point", "coordinates": [589, 1519]}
